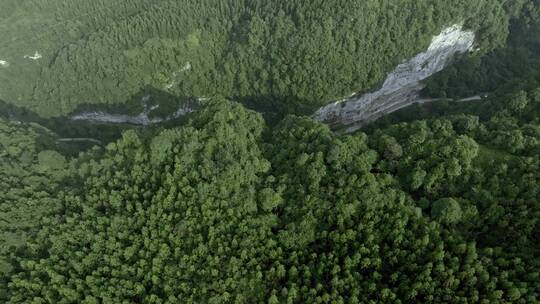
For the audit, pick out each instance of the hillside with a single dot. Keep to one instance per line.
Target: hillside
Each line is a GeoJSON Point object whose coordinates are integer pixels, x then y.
{"type": "Point", "coordinates": [292, 55]}
{"type": "Point", "coordinates": [213, 152]}
{"type": "Point", "coordinates": [226, 209]}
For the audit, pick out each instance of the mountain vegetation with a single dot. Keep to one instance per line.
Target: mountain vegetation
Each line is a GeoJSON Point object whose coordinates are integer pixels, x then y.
{"type": "Point", "coordinates": [438, 203]}
{"type": "Point", "coordinates": [502, 68]}
{"type": "Point", "coordinates": [287, 55]}
{"type": "Point", "coordinates": [228, 210]}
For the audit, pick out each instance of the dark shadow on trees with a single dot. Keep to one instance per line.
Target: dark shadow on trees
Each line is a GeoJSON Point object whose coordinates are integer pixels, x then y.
{"type": "Point", "coordinates": [64, 127]}
{"type": "Point", "coordinates": [275, 108]}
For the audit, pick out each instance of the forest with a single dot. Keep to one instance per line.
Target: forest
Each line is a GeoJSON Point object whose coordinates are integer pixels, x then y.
{"type": "Point", "coordinates": [510, 66]}
{"type": "Point", "coordinates": [435, 203]}
{"type": "Point", "coordinates": [226, 209]}
{"type": "Point", "coordinates": [287, 56]}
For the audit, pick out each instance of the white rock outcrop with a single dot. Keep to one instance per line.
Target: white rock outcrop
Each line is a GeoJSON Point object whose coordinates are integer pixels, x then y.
{"type": "Point", "coordinates": [142, 119]}
{"type": "Point", "coordinates": [4, 63]}
{"type": "Point", "coordinates": [36, 56]}
{"type": "Point", "coordinates": [103, 117]}
{"type": "Point", "coordinates": [402, 86]}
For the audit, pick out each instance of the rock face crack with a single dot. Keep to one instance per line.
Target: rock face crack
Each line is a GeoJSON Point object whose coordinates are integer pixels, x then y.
{"type": "Point", "coordinates": [402, 86]}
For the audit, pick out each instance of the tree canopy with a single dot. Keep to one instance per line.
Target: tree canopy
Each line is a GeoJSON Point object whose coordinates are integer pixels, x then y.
{"type": "Point", "coordinates": [435, 204]}
{"type": "Point", "coordinates": [289, 55]}
{"type": "Point", "coordinates": [228, 210]}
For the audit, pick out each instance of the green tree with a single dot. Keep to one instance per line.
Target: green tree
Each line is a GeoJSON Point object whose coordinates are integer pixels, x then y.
{"type": "Point", "coordinates": [446, 210]}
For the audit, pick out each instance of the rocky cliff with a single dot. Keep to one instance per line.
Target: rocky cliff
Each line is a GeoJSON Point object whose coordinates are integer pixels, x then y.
{"type": "Point", "coordinates": [402, 86]}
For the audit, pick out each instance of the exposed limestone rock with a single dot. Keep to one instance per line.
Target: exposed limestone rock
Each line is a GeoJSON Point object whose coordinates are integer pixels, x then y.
{"type": "Point", "coordinates": [402, 86]}
{"type": "Point", "coordinates": [36, 56]}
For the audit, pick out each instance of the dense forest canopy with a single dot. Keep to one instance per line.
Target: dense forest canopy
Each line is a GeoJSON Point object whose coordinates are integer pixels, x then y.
{"type": "Point", "coordinates": [291, 54]}
{"type": "Point", "coordinates": [509, 66]}
{"type": "Point", "coordinates": [437, 203]}
{"type": "Point", "coordinates": [226, 209]}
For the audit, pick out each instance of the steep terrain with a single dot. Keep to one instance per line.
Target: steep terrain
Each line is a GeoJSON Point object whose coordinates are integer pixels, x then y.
{"type": "Point", "coordinates": [226, 209]}
{"type": "Point", "coordinates": [291, 56]}
{"type": "Point", "coordinates": [119, 204]}
{"type": "Point", "coordinates": [402, 86]}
